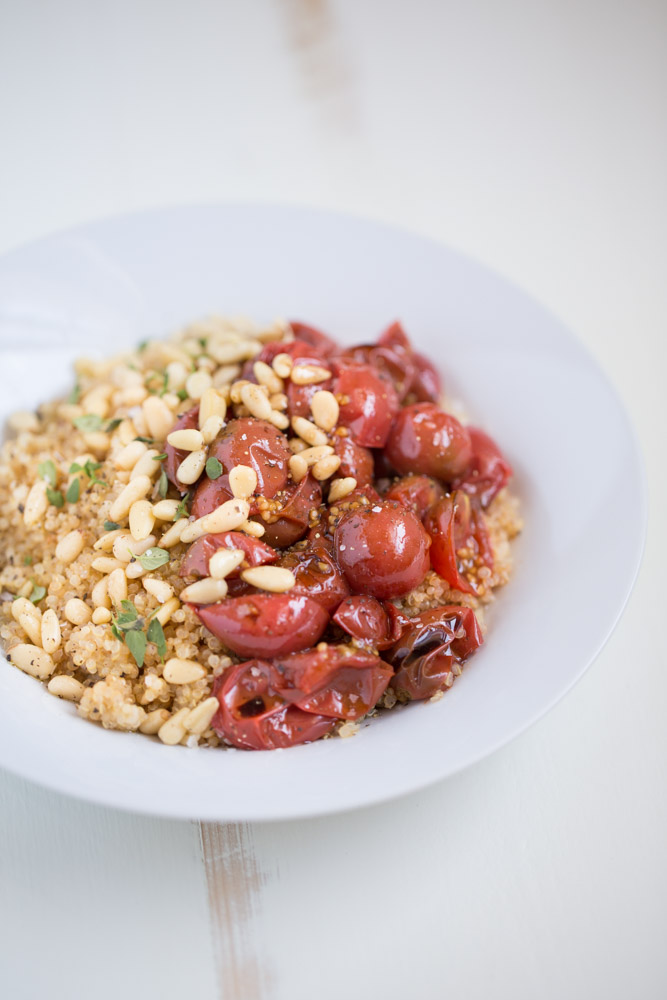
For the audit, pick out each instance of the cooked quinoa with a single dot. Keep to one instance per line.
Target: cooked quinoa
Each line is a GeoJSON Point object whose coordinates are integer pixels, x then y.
{"type": "Point", "coordinates": [69, 558]}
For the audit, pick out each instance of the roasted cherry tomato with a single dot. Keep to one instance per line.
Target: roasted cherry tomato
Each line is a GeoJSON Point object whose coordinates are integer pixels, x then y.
{"type": "Point", "coordinates": [322, 342]}
{"type": "Point", "coordinates": [460, 545]}
{"type": "Point", "coordinates": [186, 422]}
{"type": "Point", "coordinates": [338, 681]}
{"type": "Point", "coordinates": [368, 402]}
{"type": "Point", "coordinates": [196, 559]}
{"type": "Point", "coordinates": [426, 386]}
{"type": "Point", "coordinates": [289, 512]}
{"type": "Point", "coordinates": [394, 362]}
{"type": "Point", "coordinates": [354, 460]}
{"type": "Point", "coordinates": [395, 336]}
{"type": "Point", "coordinates": [382, 549]}
{"type": "Point", "coordinates": [299, 397]}
{"type": "Point", "coordinates": [295, 348]}
{"type": "Point", "coordinates": [254, 715]}
{"type": "Point", "coordinates": [358, 499]}
{"type": "Point", "coordinates": [416, 493]}
{"type": "Point", "coordinates": [317, 576]}
{"type": "Point", "coordinates": [489, 470]}
{"type": "Point", "coordinates": [245, 441]}
{"type": "Point", "coordinates": [424, 439]}
{"type": "Point", "coordinates": [265, 624]}
{"type": "Point", "coordinates": [366, 619]}
{"type": "Point", "coordinates": [431, 648]}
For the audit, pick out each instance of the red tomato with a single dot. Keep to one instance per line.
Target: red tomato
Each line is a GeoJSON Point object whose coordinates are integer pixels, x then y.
{"type": "Point", "coordinates": [295, 348]}
{"type": "Point", "coordinates": [416, 493]}
{"type": "Point", "coordinates": [426, 386]}
{"type": "Point", "coordinates": [395, 336]}
{"type": "Point", "coordinates": [317, 576]}
{"type": "Point", "coordinates": [338, 681]}
{"type": "Point", "coordinates": [460, 544]}
{"type": "Point", "coordinates": [424, 439]}
{"type": "Point", "coordinates": [366, 619]}
{"type": "Point", "coordinates": [394, 362]}
{"type": "Point", "coordinates": [187, 421]}
{"type": "Point", "coordinates": [299, 397]}
{"type": "Point", "coordinates": [265, 624]}
{"type": "Point", "coordinates": [322, 342]}
{"type": "Point", "coordinates": [254, 715]}
{"type": "Point", "coordinates": [354, 460]}
{"type": "Point", "coordinates": [383, 550]}
{"type": "Point", "coordinates": [368, 402]}
{"type": "Point", "coordinates": [245, 441]}
{"type": "Point", "coordinates": [196, 559]}
{"type": "Point", "coordinates": [431, 648]}
{"type": "Point", "coordinates": [489, 471]}
{"type": "Point", "coordinates": [292, 512]}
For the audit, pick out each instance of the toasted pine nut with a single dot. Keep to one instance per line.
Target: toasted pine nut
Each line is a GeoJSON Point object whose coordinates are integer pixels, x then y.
{"type": "Point", "coordinates": [341, 487]}
{"type": "Point", "coordinates": [211, 429]}
{"type": "Point", "coordinates": [25, 590]}
{"type": "Point", "coordinates": [154, 721]}
{"type": "Point", "coordinates": [243, 481]}
{"type": "Point", "coordinates": [134, 570]}
{"type": "Point", "coordinates": [326, 467]}
{"type": "Point", "coordinates": [77, 611]}
{"type": "Point", "coordinates": [128, 456]}
{"type": "Point", "coordinates": [165, 510]}
{"type": "Point", "coordinates": [125, 548]}
{"type": "Point", "coordinates": [98, 442]}
{"type": "Point", "coordinates": [177, 375]}
{"type": "Point", "coordinates": [312, 455]}
{"type": "Point", "coordinates": [231, 353]}
{"type": "Point", "coordinates": [117, 586]}
{"type": "Point", "coordinates": [197, 384]}
{"type": "Point", "coordinates": [142, 519]}
{"type": "Point", "coordinates": [22, 606]}
{"type": "Point", "coordinates": [147, 465]}
{"type": "Point", "coordinates": [256, 401]}
{"type": "Point", "coordinates": [159, 589]}
{"type": "Point", "coordinates": [50, 631]}
{"type": "Point", "coordinates": [253, 528]}
{"type": "Point", "coordinates": [228, 516]}
{"type": "Point", "coordinates": [298, 468]}
{"type": "Point", "coordinates": [296, 445]}
{"type": "Point", "coordinates": [69, 547]}
{"type": "Point", "coordinates": [127, 432]}
{"type": "Point", "coordinates": [192, 467]}
{"type": "Point", "coordinates": [135, 490]}
{"type": "Point", "coordinates": [65, 687]}
{"type": "Point", "coordinates": [31, 625]}
{"type": "Point", "coordinates": [32, 660]}
{"type": "Point", "coordinates": [172, 535]}
{"type": "Point", "coordinates": [186, 440]}
{"type": "Point", "coordinates": [101, 616]}
{"type": "Point", "coordinates": [211, 404]}
{"type": "Point", "coordinates": [282, 365]}
{"type": "Point", "coordinates": [223, 378]}
{"type": "Point", "coordinates": [167, 610]}
{"type": "Point", "coordinates": [307, 430]}
{"type": "Point", "coordinates": [23, 420]}
{"type": "Point", "coordinates": [235, 390]}
{"type": "Point", "coordinates": [105, 564]}
{"type": "Point", "coordinates": [277, 579]}
{"type": "Point", "coordinates": [325, 409]}
{"type": "Point", "coordinates": [224, 561]}
{"type": "Point", "coordinates": [178, 671]}
{"type": "Point", "coordinates": [106, 541]}
{"type": "Point", "coordinates": [265, 375]}
{"type": "Point", "coordinates": [100, 593]}
{"type": "Point", "coordinates": [309, 374]}
{"type": "Point", "coordinates": [36, 504]}
{"type": "Point", "coordinates": [159, 418]}
{"type": "Point", "coordinates": [278, 401]}
{"type": "Point", "coordinates": [279, 420]}
{"type": "Point", "coordinates": [206, 591]}
{"type": "Point", "coordinates": [97, 400]}
{"type": "Point", "coordinates": [172, 731]}
{"type": "Point", "coordinates": [199, 719]}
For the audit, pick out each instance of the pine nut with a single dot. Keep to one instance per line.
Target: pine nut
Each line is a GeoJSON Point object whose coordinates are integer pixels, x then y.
{"type": "Point", "coordinates": [326, 467]}
{"type": "Point", "coordinates": [36, 504]}
{"type": "Point", "coordinates": [98, 442]}
{"type": "Point", "coordinates": [296, 445]}
{"type": "Point", "coordinates": [167, 610]}
{"type": "Point", "coordinates": [325, 409]}
{"type": "Point", "coordinates": [232, 353]}
{"type": "Point", "coordinates": [101, 616]}
{"type": "Point", "coordinates": [211, 429]}
{"type": "Point", "coordinates": [313, 455]}
{"type": "Point", "coordinates": [69, 547]}
{"type": "Point", "coordinates": [279, 420]}
{"type": "Point", "coordinates": [192, 467]}
{"type": "Point", "coordinates": [265, 375]}
{"type": "Point", "coordinates": [197, 384]}
{"type": "Point", "coordinates": [278, 401]}
{"type": "Point", "coordinates": [23, 420]}
{"type": "Point", "coordinates": [252, 528]}
{"type": "Point", "coordinates": [105, 564]}
{"type": "Point", "coordinates": [172, 535]}
{"type": "Point", "coordinates": [199, 719]}
{"type": "Point", "coordinates": [223, 378]}
{"type": "Point", "coordinates": [99, 595]}
{"type": "Point", "coordinates": [341, 487]}
{"type": "Point", "coordinates": [31, 625]}
{"type": "Point", "coordinates": [172, 731]}
{"type": "Point", "coordinates": [154, 721]}
{"type": "Point", "coordinates": [142, 519]}
{"type": "Point", "coordinates": [32, 660]}
{"type": "Point", "coordinates": [243, 481]}
{"type": "Point", "coordinates": [134, 570]}
{"type": "Point", "coordinates": [50, 631]}
{"type": "Point", "coordinates": [135, 490]}
{"type": "Point", "coordinates": [186, 440]}
{"type": "Point", "coordinates": [224, 561]}
{"type": "Point", "coordinates": [177, 375]}
{"type": "Point", "coordinates": [128, 456]}
{"type": "Point", "coordinates": [298, 468]}
{"type": "Point", "coordinates": [159, 589]}
{"type": "Point", "coordinates": [178, 671]}
{"type": "Point", "coordinates": [65, 687]}
{"type": "Point", "coordinates": [77, 611]}
{"type": "Point", "coordinates": [165, 510]}
{"type": "Point", "coordinates": [147, 465]}
{"type": "Point", "coordinates": [309, 374]}
{"type": "Point", "coordinates": [117, 587]}
{"type": "Point", "coordinates": [206, 591]}
{"type": "Point", "coordinates": [307, 430]}
{"type": "Point", "coordinates": [282, 365]}
{"type": "Point", "coordinates": [22, 606]}
{"type": "Point", "coordinates": [97, 400]}
{"type": "Point", "coordinates": [125, 548]}
{"type": "Point", "coordinates": [127, 432]}
{"type": "Point", "coordinates": [229, 515]}
{"type": "Point", "coordinates": [256, 401]}
{"type": "Point", "coordinates": [25, 590]}
{"type": "Point", "coordinates": [211, 404]}
{"type": "Point", "coordinates": [277, 579]}
{"type": "Point", "coordinates": [159, 418]}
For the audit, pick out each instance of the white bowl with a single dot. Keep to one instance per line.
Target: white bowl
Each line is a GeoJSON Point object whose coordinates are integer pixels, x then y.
{"type": "Point", "coordinates": [522, 377]}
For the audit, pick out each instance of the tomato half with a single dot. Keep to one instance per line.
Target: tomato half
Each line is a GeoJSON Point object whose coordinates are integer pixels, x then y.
{"type": "Point", "coordinates": [368, 402]}
{"type": "Point", "coordinates": [265, 624]}
{"type": "Point", "coordinates": [427, 441]}
{"type": "Point", "coordinates": [196, 559]}
{"type": "Point", "coordinates": [460, 544]}
{"type": "Point", "coordinates": [489, 470]}
{"type": "Point", "coordinates": [431, 649]}
{"type": "Point", "coordinates": [317, 575]}
{"type": "Point", "coordinates": [289, 512]}
{"type": "Point", "coordinates": [416, 493]}
{"type": "Point", "coordinates": [322, 342]}
{"type": "Point", "coordinates": [337, 681]}
{"type": "Point", "coordinates": [366, 619]}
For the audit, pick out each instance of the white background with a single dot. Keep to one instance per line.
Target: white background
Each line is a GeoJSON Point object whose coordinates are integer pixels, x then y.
{"type": "Point", "coordinates": [532, 136]}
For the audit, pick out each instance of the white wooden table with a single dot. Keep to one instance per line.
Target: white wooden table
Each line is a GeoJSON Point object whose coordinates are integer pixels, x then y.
{"type": "Point", "coordinates": [531, 135]}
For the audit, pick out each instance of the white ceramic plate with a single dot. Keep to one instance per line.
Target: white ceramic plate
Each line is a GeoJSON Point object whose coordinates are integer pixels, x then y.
{"type": "Point", "coordinates": [522, 376]}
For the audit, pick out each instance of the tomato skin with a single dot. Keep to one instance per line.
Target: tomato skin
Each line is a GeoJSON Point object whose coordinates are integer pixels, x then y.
{"type": "Point", "coordinates": [431, 648]}
{"type": "Point", "coordinates": [265, 624]}
{"type": "Point", "coordinates": [354, 460]}
{"type": "Point", "coordinates": [297, 501]}
{"type": "Point", "coordinates": [196, 559]}
{"type": "Point", "coordinates": [295, 348]}
{"type": "Point", "coordinates": [244, 441]}
{"type": "Point", "coordinates": [425, 440]}
{"type": "Point", "coordinates": [371, 402]}
{"type": "Point", "coordinates": [392, 361]}
{"type": "Point", "coordinates": [324, 345]}
{"type": "Point", "coordinates": [299, 397]}
{"type": "Point", "coordinates": [338, 681]}
{"type": "Point", "coordinates": [187, 421]}
{"type": "Point", "coordinates": [416, 493]}
{"type": "Point", "coordinates": [253, 714]}
{"type": "Point", "coordinates": [366, 619]}
{"type": "Point", "coordinates": [426, 385]}
{"type": "Point", "coordinates": [395, 336]}
{"type": "Point", "coordinates": [454, 524]}
{"type": "Point", "coordinates": [489, 470]}
{"type": "Point", "coordinates": [318, 576]}
{"type": "Point", "coordinates": [382, 549]}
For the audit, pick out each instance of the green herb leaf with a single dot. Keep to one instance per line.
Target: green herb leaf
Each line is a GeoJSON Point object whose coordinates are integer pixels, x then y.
{"type": "Point", "coordinates": [182, 509]}
{"type": "Point", "coordinates": [160, 458]}
{"type": "Point", "coordinates": [112, 425]}
{"type": "Point", "coordinates": [27, 560]}
{"type": "Point", "coordinates": [163, 484]}
{"type": "Point", "coordinates": [128, 615]}
{"type": "Point", "coordinates": [55, 497]}
{"type": "Point", "coordinates": [165, 384]}
{"type": "Point", "coordinates": [136, 642]}
{"type": "Point", "coordinates": [74, 468]}
{"type": "Point", "coordinates": [89, 423]}
{"type": "Point", "coordinates": [153, 558]}
{"type": "Point", "coordinates": [142, 345]}
{"type": "Point", "coordinates": [213, 468]}
{"type": "Point", "coordinates": [182, 394]}
{"type": "Point", "coordinates": [145, 440]}
{"type": "Point", "coordinates": [73, 491]}
{"type": "Point", "coordinates": [156, 635]}
{"type": "Point", "coordinates": [203, 341]}
{"type": "Point", "coordinates": [111, 525]}
{"type": "Point", "coordinates": [37, 593]}
{"type": "Point", "coordinates": [74, 395]}
{"type": "Point", "coordinates": [47, 471]}
{"type": "Point", "coordinates": [114, 631]}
